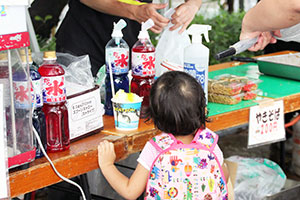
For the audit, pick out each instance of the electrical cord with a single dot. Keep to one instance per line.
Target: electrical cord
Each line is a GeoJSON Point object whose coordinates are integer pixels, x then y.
{"type": "Point", "coordinates": [53, 167]}
{"type": "Point", "coordinates": [39, 139]}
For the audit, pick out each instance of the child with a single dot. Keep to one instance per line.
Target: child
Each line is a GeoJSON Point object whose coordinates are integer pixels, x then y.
{"type": "Point", "coordinates": [177, 107]}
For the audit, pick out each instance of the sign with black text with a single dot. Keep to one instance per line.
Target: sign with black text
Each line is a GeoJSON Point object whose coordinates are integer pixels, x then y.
{"type": "Point", "coordinates": [266, 123]}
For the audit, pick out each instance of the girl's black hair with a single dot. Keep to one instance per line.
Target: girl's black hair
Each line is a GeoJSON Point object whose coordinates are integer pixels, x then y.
{"type": "Point", "coordinates": [177, 104]}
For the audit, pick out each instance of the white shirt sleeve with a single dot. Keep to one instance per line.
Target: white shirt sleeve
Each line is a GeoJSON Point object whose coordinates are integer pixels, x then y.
{"type": "Point", "coordinates": [148, 155]}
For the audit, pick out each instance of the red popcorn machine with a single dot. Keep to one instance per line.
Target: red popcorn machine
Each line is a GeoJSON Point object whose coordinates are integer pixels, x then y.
{"type": "Point", "coordinates": [15, 78]}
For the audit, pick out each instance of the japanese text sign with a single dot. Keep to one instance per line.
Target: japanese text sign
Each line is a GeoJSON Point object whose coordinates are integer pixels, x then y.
{"type": "Point", "coordinates": [266, 124]}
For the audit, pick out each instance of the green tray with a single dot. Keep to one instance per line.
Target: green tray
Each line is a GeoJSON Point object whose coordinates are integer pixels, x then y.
{"type": "Point", "coordinates": [286, 66]}
{"type": "Point", "coordinates": [271, 86]}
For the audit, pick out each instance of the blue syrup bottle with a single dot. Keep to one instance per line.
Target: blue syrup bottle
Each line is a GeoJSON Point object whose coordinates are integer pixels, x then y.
{"type": "Point", "coordinates": [117, 55]}
{"type": "Point", "coordinates": [38, 116]}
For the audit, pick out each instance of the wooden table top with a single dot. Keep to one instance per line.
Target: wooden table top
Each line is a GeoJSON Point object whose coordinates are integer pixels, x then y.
{"type": "Point", "coordinates": [82, 155]}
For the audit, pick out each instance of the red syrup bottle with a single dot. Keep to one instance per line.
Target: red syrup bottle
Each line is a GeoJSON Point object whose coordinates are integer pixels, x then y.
{"type": "Point", "coordinates": [143, 67]}
{"type": "Point", "coordinates": [55, 109]}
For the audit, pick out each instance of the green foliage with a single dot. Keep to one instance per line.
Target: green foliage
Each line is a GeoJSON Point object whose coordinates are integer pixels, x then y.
{"type": "Point", "coordinates": [153, 38]}
{"type": "Point", "coordinates": [46, 44]}
{"type": "Point", "coordinates": [225, 31]}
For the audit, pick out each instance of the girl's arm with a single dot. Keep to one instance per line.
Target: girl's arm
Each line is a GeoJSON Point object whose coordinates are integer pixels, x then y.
{"type": "Point", "coordinates": [129, 188]}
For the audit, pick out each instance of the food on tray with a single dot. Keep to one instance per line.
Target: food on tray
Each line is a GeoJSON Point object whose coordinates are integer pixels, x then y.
{"type": "Point", "coordinates": [224, 99]}
{"type": "Point", "coordinates": [224, 87]}
{"type": "Point", "coordinates": [250, 95]}
{"type": "Point", "coordinates": [249, 84]}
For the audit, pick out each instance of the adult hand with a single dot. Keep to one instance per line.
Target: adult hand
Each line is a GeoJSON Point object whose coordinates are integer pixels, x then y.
{"type": "Point", "coordinates": [184, 14]}
{"type": "Point", "coordinates": [146, 11]}
{"type": "Point", "coordinates": [264, 38]}
{"type": "Point", "coordinates": [106, 154]}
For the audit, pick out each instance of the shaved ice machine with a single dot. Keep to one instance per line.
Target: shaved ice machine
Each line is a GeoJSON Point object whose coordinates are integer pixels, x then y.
{"type": "Point", "coordinates": [15, 78]}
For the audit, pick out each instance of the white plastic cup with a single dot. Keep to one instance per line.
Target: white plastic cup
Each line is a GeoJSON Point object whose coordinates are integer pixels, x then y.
{"type": "Point", "coordinates": [127, 115]}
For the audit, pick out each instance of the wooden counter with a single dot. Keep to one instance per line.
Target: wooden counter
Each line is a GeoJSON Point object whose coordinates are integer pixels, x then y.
{"type": "Point", "coordinates": [82, 155]}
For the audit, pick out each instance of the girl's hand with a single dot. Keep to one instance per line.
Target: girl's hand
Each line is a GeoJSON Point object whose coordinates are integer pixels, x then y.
{"type": "Point", "coordinates": [106, 154]}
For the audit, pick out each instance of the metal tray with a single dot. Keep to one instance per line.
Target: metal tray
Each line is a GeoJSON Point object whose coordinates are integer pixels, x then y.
{"type": "Point", "coordinates": [286, 66]}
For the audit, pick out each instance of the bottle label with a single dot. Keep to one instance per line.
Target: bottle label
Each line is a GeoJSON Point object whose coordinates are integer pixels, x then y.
{"type": "Point", "coordinates": [37, 89]}
{"type": "Point", "coordinates": [199, 75]}
{"type": "Point", "coordinates": [22, 95]}
{"type": "Point", "coordinates": [119, 60]}
{"type": "Point", "coordinates": [143, 64]}
{"type": "Point", "coordinates": [54, 89]}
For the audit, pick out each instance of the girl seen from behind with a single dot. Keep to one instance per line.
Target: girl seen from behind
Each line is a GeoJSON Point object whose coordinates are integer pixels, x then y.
{"type": "Point", "coordinates": [184, 161]}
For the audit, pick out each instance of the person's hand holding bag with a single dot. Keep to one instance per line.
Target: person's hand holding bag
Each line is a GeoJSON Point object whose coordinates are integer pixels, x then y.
{"type": "Point", "coordinates": [170, 46]}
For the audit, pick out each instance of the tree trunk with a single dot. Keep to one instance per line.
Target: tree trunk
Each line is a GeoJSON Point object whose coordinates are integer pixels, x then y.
{"type": "Point", "coordinates": [241, 5]}
{"type": "Point", "coordinates": [230, 5]}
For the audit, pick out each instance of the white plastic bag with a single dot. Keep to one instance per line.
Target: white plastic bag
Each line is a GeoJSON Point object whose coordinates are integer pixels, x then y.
{"type": "Point", "coordinates": [78, 73]}
{"type": "Point", "coordinates": [170, 47]}
{"type": "Point", "coordinates": [257, 178]}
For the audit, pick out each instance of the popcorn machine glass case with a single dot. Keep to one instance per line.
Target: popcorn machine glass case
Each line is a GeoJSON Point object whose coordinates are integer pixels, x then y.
{"type": "Point", "coordinates": [15, 77]}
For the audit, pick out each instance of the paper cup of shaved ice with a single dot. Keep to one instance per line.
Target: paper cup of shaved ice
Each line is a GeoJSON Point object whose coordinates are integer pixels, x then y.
{"type": "Point", "coordinates": [127, 109]}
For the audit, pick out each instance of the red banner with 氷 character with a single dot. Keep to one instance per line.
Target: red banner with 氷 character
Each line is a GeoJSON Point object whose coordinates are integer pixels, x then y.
{"type": "Point", "coordinates": [14, 40]}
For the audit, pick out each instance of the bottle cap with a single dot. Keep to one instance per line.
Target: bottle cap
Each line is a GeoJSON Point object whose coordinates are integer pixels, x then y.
{"type": "Point", "coordinates": [196, 30]}
{"type": "Point", "coordinates": [23, 55]}
{"type": "Point", "coordinates": [145, 26]}
{"type": "Point", "coordinates": [3, 57]}
{"type": "Point", "coordinates": [49, 55]}
{"type": "Point", "coordinates": [22, 51]}
{"type": "Point", "coordinates": [117, 31]}
{"type": "Point", "coordinates": [23, 58]}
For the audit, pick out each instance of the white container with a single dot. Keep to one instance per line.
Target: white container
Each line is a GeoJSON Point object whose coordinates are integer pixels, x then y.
{"type": "Point", "coordinates": [196, 55]}
{"type": "Point", "coordinates": [85, 113]}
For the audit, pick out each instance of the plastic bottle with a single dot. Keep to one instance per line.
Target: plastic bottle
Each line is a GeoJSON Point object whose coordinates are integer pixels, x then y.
{"type": "Point", "coordinates": [5, 81]}
{"type": "Point", "coordinates": [196, 55]}
{"type": "Point", "coordinates": [143, 67]}
{"type": "Point", "coordinates": [38, 115]}
{"type": "Point", "coordinates": [54, 97]}
{"type": "Point", "coordinates": [22, 104]}
{"type": "Point", "coordinates": [117, 54]}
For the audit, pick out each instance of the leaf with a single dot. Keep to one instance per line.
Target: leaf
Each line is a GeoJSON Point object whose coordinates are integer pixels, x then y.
{"type": "Point", "coordinates": [47, 17]}
{"type": "Point", "coordinates": [38, 18]}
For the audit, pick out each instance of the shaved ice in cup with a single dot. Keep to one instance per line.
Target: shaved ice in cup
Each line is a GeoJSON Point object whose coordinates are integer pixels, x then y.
{"type": "Point", "coordinates": [127, 109]}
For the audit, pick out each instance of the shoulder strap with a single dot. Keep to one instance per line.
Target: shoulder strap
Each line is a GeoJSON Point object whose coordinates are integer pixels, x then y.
{"type": "Point", "coordinates": [207, 138]}
{"type": "Point", "coordinates": [162, 141]}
